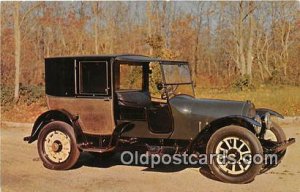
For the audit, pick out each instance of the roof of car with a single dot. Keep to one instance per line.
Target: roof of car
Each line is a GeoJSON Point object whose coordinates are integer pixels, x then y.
{"type": "Point", "coordinates": [118, 57]}
{"type": "Point", "coordinates": [89, 56]}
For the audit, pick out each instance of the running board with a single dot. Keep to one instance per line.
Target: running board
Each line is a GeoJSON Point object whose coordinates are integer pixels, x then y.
{"type": "Point", "coordinates": [282, 146]}
{"type": "Point", "coordinates": [96, 150]}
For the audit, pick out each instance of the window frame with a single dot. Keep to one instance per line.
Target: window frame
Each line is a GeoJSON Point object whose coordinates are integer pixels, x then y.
{"type": "Point", "coordinates": [79, 79]}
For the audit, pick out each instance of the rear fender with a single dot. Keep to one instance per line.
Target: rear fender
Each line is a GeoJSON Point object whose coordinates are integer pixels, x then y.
{"type": "Point", "coordinates": [55, 115]}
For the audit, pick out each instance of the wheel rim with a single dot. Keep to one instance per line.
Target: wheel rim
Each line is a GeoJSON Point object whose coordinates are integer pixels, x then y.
{"type": "Point", "coordinates": [57, 146]}
{"type": "Point", "coordinates": [233, 155]}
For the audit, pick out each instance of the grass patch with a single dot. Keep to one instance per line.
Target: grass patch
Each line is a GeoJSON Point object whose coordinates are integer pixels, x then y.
{"type": "Point", "coordinates": [283, 99]}
{"type": "Point", "coordinates": [22, 112]}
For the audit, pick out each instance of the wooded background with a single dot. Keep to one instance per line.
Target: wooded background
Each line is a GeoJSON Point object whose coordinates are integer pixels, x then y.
{"type": "Point", "coordinates": [227, 43]}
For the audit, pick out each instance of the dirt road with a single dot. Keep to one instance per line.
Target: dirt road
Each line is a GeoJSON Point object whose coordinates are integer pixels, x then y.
{"type": "Point", "coordinates": [22, 170]}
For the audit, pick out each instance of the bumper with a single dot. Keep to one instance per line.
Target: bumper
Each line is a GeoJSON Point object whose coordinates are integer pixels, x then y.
{"type": "Point", "coordinates": [276, 147]}
{"type": "Point", "coordinates": [279, 149]}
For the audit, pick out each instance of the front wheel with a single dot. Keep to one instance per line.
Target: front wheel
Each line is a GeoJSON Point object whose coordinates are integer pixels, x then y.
{"type": "Point", "coordinates": [57, 146]}
{"type": "Point", "coordinates": [232, 150]}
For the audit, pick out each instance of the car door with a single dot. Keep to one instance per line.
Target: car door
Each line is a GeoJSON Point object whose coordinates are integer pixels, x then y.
{"type": "Point", "coordinates": [93, 94]}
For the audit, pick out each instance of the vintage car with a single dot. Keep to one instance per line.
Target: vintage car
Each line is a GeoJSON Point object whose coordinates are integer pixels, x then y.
{"type": "Point", "coordinates": [100, 103]}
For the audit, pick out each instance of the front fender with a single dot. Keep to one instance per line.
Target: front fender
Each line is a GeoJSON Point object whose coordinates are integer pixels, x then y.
{"type": "Point", "coordinates": [47, 117]}
{"type": "Point", "coordinates": [239, 120]}
{"type": "Point", "coordinates": [262, 111]}
{"type": "Point", "coordinates": [212, 127]}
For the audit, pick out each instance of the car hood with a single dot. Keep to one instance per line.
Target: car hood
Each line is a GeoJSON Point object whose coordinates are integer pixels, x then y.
{"type": "Point", "coordinates": [207, 110]}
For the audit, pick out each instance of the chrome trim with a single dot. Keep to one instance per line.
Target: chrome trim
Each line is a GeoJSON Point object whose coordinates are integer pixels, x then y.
{"type": "Point", "coordinates": [200, 126]}
{"type": "Point", "coordinates": [257, 128]}
{"type": "Point", "coordinates": [75, 76]}
{"type": "Point", "coordinates": [267, 120]}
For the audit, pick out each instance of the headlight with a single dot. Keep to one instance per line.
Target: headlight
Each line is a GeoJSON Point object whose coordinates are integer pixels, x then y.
{"type": "Point", "coordinates": [257, 128]}
{"type": "Point", "coordinates": [267, 120]}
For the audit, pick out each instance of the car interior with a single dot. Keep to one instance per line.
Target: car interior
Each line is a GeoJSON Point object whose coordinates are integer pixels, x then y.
{"type": "Point", "coordinates": [137, 105]}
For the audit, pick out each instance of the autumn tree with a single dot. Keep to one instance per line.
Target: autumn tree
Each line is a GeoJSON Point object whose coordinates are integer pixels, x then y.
{"type": "Point", "coordinates": [19, 19]}
{"type": "Point", "coordinates": [223, 41]}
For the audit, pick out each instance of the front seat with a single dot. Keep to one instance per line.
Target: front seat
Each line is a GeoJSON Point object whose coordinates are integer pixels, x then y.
{"type": "Point", "coordinates": [132, 105]}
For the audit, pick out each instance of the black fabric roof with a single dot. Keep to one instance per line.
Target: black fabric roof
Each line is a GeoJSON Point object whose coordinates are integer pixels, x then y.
{"type": "Point", "coordinates": [136, 58]}
{"type": "Point", "coordinates": [119, 57]}
{"type": "Point", "coordinates": [90, 56]}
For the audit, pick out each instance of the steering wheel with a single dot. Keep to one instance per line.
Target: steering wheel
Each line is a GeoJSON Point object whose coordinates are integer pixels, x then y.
{"type": "Point", "coordinates": [168, 90]}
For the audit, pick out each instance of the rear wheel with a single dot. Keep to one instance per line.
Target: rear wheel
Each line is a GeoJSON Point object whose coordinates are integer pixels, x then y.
{"type": "Point", "coordinates": [233, 149]}
{"type": "Point", "coordinates": [57, 146]}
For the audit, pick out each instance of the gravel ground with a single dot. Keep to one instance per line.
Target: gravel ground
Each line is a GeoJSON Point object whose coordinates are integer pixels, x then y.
{"type": "Point", "coordinates": [22, 170]}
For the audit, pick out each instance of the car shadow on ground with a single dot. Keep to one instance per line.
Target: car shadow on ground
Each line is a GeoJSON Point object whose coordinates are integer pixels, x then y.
{"type": "Point", "coordinates": [88, 160]}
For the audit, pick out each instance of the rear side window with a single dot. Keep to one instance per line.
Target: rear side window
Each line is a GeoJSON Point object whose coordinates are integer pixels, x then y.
{"type": "Point", "coordinates": [93, 78]}
{"type": "Point", "coordinates": [59, 77]}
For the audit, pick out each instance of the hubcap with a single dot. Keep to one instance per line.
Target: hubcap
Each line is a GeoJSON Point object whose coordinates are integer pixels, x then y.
{"type": "Point", "coordinates": [57, 146]}
{"type": "Point", "coordinates": [233, 155]}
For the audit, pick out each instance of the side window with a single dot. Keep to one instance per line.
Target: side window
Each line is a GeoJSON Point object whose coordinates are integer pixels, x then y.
{"type": "Point", "coordinates": [131, 77]}
{"type": "Point", "coordinates": [59, 77]}
{"type": "Point", "coordinates": [93, 78]}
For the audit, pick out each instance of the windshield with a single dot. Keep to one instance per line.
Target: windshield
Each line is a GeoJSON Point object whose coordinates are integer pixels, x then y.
{"type": "Point", "coordinates": [176, 73]}
{"type": "Point", "coordinates": [177, 78]}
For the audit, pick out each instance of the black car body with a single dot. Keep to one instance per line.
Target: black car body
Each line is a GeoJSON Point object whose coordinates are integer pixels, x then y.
{"type": "Point", "coordinates": [100, 114]}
